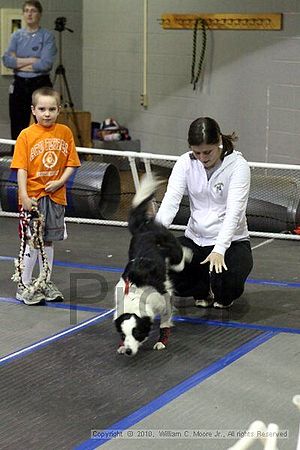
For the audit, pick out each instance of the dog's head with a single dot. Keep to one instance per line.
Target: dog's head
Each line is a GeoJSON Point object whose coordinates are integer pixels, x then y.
{"type": "Point", "coordinates": [134, 330]}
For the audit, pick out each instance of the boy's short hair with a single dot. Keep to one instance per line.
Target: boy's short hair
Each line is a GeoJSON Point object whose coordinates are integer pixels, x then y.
{"type": "Point", "coordinates": [35, 3]}
{"type": "Point", "coordinates": [48, 91]}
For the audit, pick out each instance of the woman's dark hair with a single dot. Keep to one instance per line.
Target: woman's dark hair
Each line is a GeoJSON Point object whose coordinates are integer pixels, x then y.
{"type": "Point", "coordinates": [35, 3]}
{"type": "Point", "coordinates": [205, 130]}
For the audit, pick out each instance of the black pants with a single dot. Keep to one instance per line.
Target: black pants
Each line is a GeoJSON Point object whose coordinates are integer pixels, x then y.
{"type": "Point", "coordinates": [20, 101]}
{"type": "Point", "coordinates": [196, 281]}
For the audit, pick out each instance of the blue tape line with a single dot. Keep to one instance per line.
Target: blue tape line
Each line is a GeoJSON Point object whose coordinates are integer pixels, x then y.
{"type": "Point", "coordinates": [9, 300]}
{"type": "Point", "coordinates": [88, 266]}
{"type": "Point", "coordinates": [58, 305]}
{"type": "Point", "coordinates": [286, 284]}
{"type": "Point", "coordinates": [274, 283]}
{"type": "Point", "coordinates": [228, 324]}
{"type": "Point", "coordinates": [75, 265]}
{"type": "Point", "coordinates": [178, 390]}
{"type": "Point", "coordinates": [184, 319]}
{"type": "Point", "coordinates": [75, 307]}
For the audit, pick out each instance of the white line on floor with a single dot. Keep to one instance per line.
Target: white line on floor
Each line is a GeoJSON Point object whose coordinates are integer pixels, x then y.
{"type": "Point", "coordinates": [54, 337]}
{"type": "Point", "coordinates": [268, 241]}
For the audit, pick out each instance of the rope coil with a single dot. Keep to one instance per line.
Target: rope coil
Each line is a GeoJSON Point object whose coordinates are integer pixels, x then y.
{"type": "Point", "coordinates": [35, 220]}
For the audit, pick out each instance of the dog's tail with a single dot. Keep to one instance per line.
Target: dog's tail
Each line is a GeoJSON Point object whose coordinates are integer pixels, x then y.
{"type": "Point", "coordinates": [142, 202]}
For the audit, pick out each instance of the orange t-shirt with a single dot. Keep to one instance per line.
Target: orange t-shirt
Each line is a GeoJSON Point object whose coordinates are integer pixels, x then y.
{"type": "Point", "coordinates": [45, 153]}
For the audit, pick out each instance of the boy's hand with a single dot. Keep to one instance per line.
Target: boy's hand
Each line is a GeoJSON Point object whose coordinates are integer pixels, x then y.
{"type": "Point", "coordinates": [28, 203]}
{"type": "Point", "coordinates": [52, 186]}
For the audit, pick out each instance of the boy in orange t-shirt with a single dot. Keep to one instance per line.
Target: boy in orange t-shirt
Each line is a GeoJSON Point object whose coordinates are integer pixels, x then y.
{"type": "Point", "coordinates": [45, 157]}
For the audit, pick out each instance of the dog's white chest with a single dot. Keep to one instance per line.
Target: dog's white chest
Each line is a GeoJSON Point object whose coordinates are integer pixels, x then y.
{"type": "Point", "coordinates": [140, 301]}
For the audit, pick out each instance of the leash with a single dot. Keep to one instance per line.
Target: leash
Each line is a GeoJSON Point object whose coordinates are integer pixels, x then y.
{"type": "Point", "coordinates": [36, 219]}
{"type": "Point", "coordinates": [195, 77]}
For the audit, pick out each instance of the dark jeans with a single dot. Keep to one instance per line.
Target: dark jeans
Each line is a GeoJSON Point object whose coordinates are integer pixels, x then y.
{"type": "Point", "coordinates": [20, 101]}
{"type": "Point", "coordinates": [195, 280]}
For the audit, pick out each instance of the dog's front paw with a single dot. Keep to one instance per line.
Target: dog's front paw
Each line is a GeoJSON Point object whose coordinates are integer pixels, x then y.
{"type": "Point", "coordinates": [121, 350]}
{"type": "Point", "coordinates": [159, 346]}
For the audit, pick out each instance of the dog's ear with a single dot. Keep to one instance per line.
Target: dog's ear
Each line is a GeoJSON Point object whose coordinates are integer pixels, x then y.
{"type": "Point", "coordinates": [142, 329]}
{"type": "Point", "coordinates": [120, 320]}
{"type": "Point", "coordinates": [146, 323]}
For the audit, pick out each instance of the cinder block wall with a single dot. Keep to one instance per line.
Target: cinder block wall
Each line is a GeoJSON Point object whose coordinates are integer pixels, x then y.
{"type": "Point", "coordinates": [250, 82]}
{"type": "Point", "coordinates": [71, 51]}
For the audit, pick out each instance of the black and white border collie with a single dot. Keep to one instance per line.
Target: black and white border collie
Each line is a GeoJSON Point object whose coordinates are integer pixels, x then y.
{"type": "Point", "coordinates": [145, 290]}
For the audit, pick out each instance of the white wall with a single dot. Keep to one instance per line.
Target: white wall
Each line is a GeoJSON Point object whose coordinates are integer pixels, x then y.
{"type": "Point", "coordinates": [250, 84]}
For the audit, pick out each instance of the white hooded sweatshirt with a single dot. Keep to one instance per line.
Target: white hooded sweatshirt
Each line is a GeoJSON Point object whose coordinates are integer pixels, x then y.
{"type": "Point", "coordinates": [218, 205]}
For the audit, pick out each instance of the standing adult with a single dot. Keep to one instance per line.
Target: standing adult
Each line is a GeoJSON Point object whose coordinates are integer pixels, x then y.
{"type": "Point", "coordinates": [30, 54]}
{"type": "Point", "coordinates": [217, 181]}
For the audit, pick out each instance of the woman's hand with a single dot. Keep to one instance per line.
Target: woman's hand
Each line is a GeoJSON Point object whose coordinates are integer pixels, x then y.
{"type": "Point", "coordinates": [216, 261]}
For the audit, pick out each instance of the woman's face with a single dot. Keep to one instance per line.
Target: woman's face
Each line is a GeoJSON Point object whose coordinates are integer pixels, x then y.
{"type": "Point", "coordinates": [32, 16]}
{"type": "Point", "coordinates": [208, 154]}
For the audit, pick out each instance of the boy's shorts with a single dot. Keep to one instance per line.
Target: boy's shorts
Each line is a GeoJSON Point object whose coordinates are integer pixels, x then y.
{"type": "Point", "coordinates": [54, 220]}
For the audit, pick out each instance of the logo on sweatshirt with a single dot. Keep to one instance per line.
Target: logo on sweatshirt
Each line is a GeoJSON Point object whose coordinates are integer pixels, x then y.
{"type": "Point", "coordinates": [50, 159]}
{"type": "Point", "coordinates": [219, 188]}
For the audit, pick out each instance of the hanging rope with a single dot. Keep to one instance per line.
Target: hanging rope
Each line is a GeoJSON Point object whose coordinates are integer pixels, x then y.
{"type": "Point", "coordinates": [195, 78]}
{"type": "Point", "coordinates": [36, 219]}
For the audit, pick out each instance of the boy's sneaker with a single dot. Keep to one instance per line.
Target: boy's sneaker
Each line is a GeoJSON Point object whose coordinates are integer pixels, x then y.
{"type": "Point", "coordinates": [52, 294]}
{"type": "Point", "coordinates": [205, 303]}
{"type": "Point", "coordinates": [28, 296]}
{"type": "Point", "coordinates": [221, 306]}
